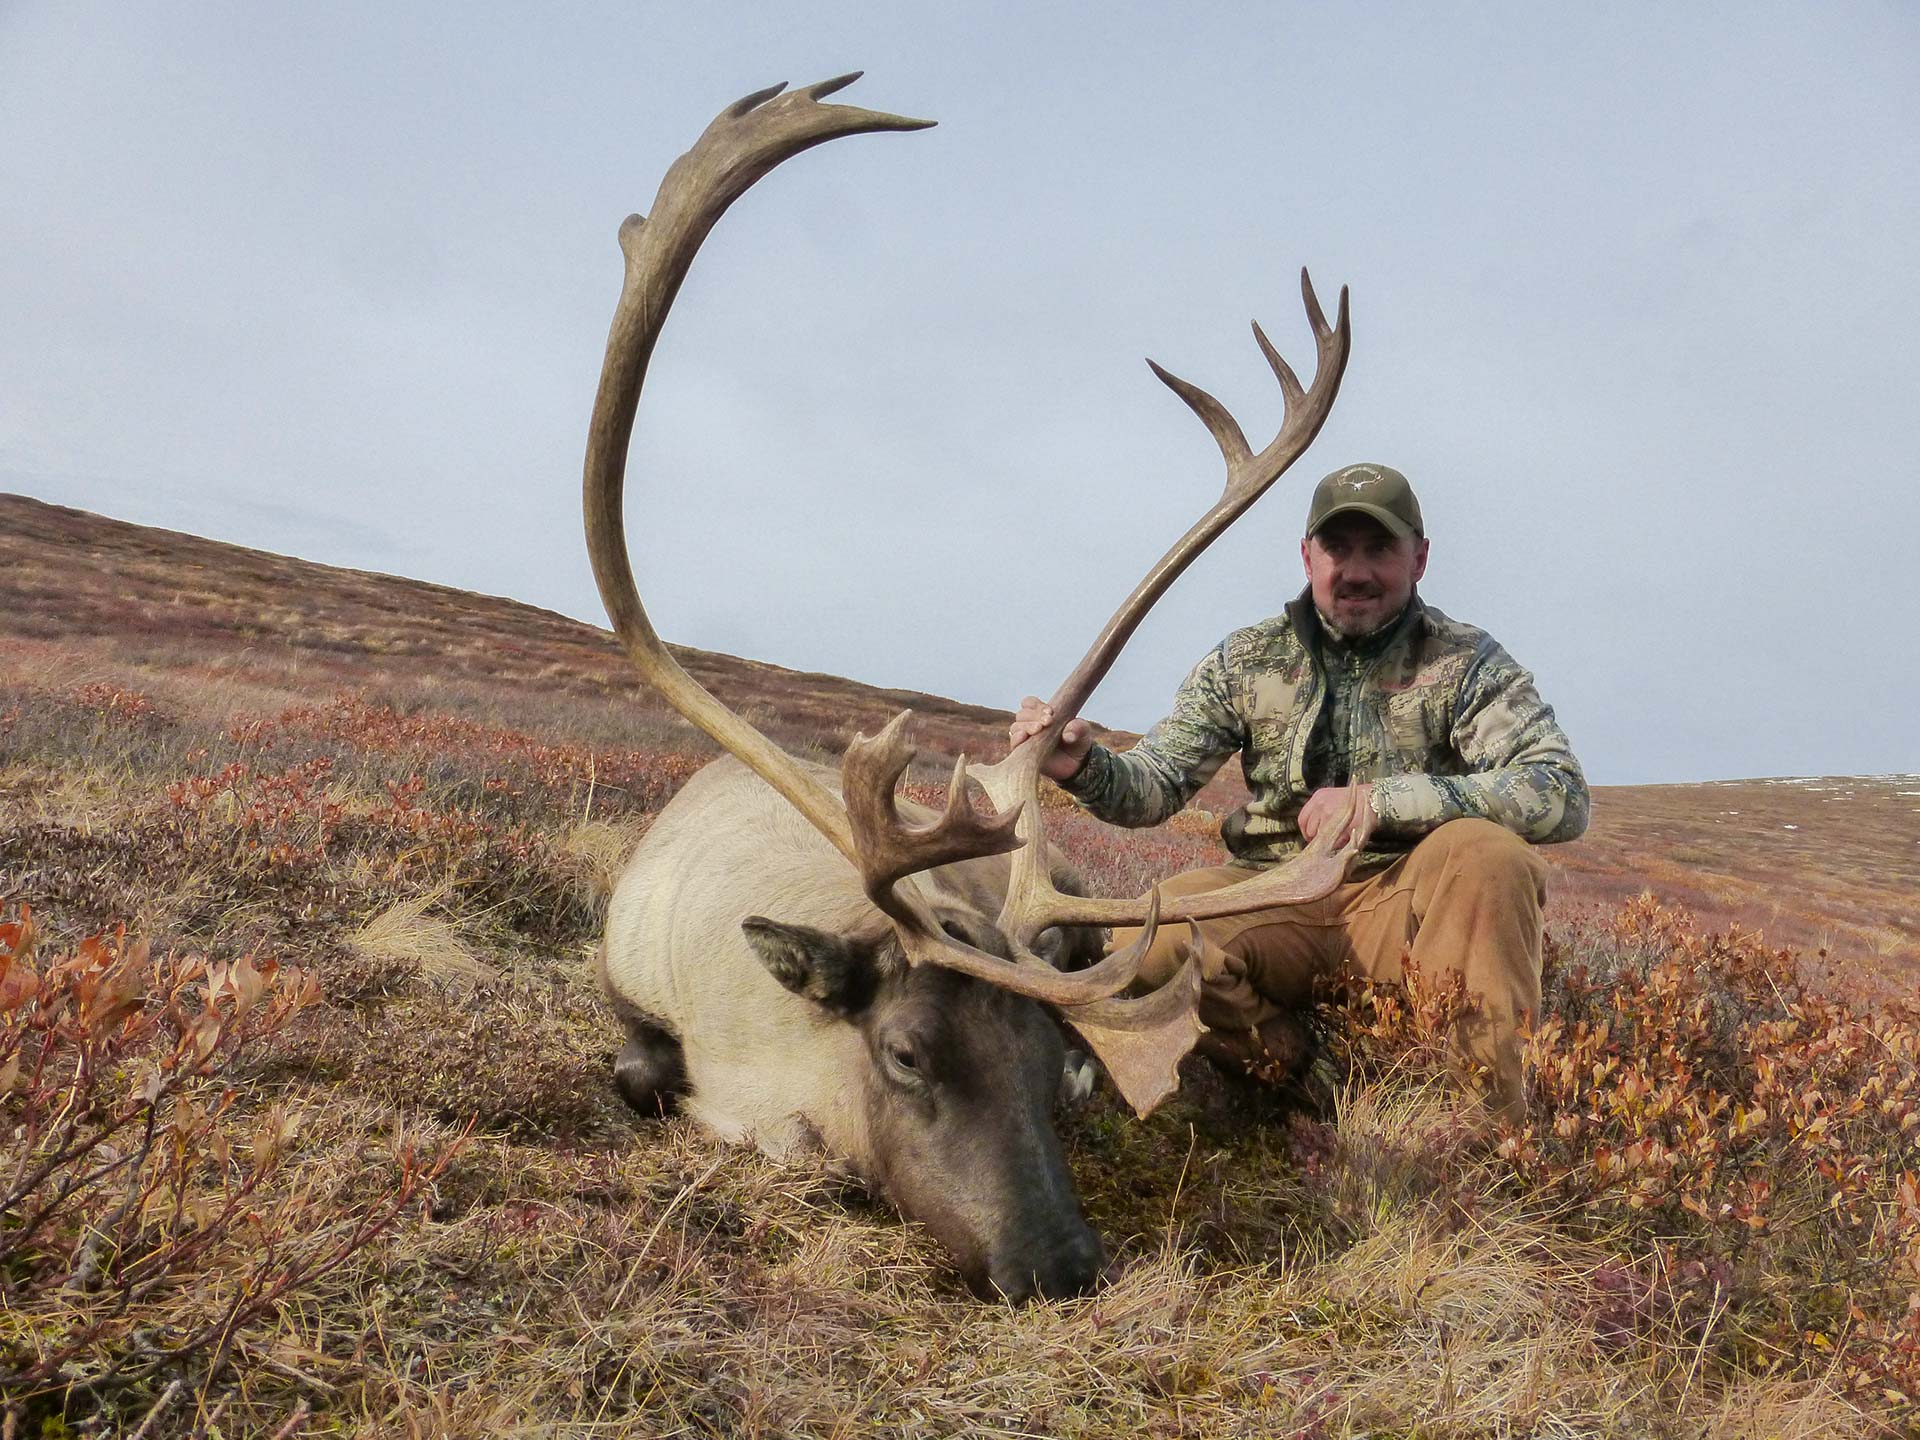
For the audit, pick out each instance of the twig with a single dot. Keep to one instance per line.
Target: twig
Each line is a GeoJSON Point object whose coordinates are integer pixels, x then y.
{"type": "Point", "coordinates": [201, 1427]}
{"type": "Point", "coordinates": [71, 1152]}
{"type": "Point", "coordinates": [86, 1273]}
{"type": "Point", "coordinates": [159, 1408]}
{"type": "Point", "coordinates": [294, 1421]}
{"type": "Point", "coordinates": [256, 1356]}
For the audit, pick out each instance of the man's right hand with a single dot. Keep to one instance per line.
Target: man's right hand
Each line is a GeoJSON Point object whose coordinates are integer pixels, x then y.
{"type": "Point", "coordinates": [1069, 755]}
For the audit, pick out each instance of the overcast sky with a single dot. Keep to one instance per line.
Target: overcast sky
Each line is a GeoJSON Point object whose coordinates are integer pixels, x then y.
{"type": "Point", "coordinates": [1636, 304]}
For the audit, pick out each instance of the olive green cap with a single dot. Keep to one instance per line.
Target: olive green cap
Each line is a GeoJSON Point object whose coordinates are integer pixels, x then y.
{"type": "Point", "coordinates": [1376, 490]}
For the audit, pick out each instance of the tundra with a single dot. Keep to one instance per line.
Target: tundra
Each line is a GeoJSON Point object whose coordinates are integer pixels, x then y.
{"type": "Point", "coordinates": [810, 964]}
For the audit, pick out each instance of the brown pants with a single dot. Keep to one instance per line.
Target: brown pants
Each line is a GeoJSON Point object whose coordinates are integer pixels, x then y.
{"type": "Point", "coordinates": [1467, 900]}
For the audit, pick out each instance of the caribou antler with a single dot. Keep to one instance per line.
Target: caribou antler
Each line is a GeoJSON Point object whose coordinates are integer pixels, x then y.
{"type": "Point", "coordinates": [1140, 1041]}
{"type": "Point", "coordinates": [744, 142]}
{"type": "Point", "coordinates": [1032, 902]}
{"type": "Point", "coordinates": [1139, 1037]}
{"type": "Point", "coordinates": [889, 848]}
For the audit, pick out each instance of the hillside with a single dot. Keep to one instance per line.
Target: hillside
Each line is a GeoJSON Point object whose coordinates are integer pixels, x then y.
{"type": "Point", "coordinates": [1829, 866]}
{"type": "Point", "coordinates": [166, 603]}
{"type": "Point", "coordinates": [1812, 863]}
{"type": "Point", "coordinates": [307, 1124]}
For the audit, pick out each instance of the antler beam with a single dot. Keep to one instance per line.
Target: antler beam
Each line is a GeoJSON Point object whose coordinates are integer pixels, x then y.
{"type": "Point", "coordinates": [744, 142]}
{"type": "Point", "coordinates": [1032, 902]}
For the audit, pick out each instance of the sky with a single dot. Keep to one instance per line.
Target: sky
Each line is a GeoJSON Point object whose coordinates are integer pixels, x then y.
{"type": "Point", "coordinates": [1634, 303]}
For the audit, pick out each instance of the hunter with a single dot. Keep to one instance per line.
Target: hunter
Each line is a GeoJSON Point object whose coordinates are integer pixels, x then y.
{"type": "Point", "coordinates": [1358, 686]}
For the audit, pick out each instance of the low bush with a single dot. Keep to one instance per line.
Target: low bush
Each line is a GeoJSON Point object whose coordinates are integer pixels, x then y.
{"type": "Point", "coordinates": [1747, 1151]}
{"type": "Point", "coordinates": [151, 1214]}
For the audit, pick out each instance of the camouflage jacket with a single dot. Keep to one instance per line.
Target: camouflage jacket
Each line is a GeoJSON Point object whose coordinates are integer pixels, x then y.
{"type": "Point", "coordinates": [1436, 716]}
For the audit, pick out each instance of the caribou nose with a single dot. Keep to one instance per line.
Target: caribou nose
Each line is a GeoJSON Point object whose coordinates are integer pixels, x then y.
{"type": "Point", "coordinates": [1076, 1266]}
{"type": "Point", "coordinates": [1068, 1267]}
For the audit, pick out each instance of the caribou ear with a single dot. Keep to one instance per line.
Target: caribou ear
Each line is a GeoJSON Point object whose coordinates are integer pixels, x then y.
{"type": "Point", "coordinates": [830, 970]}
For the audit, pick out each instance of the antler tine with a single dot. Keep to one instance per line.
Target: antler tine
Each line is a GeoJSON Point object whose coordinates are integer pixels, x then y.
{"type": "Point", "coordinates": [1248, 477]}
{"type": "Point", "coordinates": [1290, 389]}
{"type": "Point", "coordinates": [889, 848]}
{"type": "Point", "coordinates": [1032, 902]}
{"type": "Point", "coordinates": [754, 101]}
{"type": "Point", "coordinates": [1028, 974]}
{"type": "Point", "coordinates": [1143, 1041]}
{"type": "Point", "coordinates": [1313, 874]}
{"type": "Point", "coordinates": [1215, 416]}
{"type": "Point", "coordinates": [743, 142]}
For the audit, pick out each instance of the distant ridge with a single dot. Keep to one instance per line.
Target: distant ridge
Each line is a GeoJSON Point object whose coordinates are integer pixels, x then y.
{"type": "Point", "coordinates": [141, 588]}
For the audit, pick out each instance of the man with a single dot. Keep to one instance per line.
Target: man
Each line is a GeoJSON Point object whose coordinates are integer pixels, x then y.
{"type": "Point", "coordinates": [1357, 691]}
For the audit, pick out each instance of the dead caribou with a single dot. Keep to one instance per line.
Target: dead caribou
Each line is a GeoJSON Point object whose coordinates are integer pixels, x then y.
{"type": "Point", "coordinates": [810, 962]}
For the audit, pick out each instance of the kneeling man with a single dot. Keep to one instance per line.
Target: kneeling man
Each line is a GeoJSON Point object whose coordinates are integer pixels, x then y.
{"type": "Point", "coordinates": [1357, 691]}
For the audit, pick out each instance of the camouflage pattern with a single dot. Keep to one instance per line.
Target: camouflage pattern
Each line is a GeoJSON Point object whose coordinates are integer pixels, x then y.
{"type": "Point", "coordinates": [1433, 713]}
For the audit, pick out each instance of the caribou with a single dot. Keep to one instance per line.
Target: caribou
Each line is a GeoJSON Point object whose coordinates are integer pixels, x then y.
{"type": "Point", "coordinates": [808, 962]}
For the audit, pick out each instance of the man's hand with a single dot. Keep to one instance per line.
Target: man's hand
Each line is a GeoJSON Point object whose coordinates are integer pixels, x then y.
{"type": "Point", "coordinates": [1326, 807]}
{"type": "Point", "coordinates": [1069, 755]}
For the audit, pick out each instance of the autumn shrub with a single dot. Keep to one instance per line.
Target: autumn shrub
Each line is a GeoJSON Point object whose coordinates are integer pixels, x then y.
{"type": "Point", "coordinates": [151, 1211]}
{"type": "Point", "coordinates": [299, 827]}
{"type": "Point", "coordinates": [98, 724]}
{"type": "Point", "coordinates": [1758, 1141]}
{"type": "Point", "coordinates": [1747, 1150]}
{"type": "Point", "coordinates": [506, 774]}
{"type": "Point", "coordinates": [283, 831]}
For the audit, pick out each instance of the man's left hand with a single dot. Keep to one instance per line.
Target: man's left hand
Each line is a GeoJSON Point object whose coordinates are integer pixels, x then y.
{"type": "Point", "coordinates": [1329, 807]}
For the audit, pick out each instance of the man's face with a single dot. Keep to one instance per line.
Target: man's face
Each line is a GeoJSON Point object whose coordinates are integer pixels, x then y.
{"type": "Point", "coordinates": [1361, 574]}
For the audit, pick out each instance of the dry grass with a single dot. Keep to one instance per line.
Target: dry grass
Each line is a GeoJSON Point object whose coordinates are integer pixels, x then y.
{"type": "Point", "coordinates": [601, 847]}
{"type": "Point", "coordinates": [404, 932]}
{"type": "Point", "coordinates": [70, 799]}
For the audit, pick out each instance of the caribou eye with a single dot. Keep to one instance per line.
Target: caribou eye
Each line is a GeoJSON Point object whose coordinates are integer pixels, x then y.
{"type": "Point", "coordinates": [903, 1065]}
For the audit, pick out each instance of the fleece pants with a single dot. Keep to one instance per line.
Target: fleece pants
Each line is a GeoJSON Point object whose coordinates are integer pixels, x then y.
{"type": "Point", "coordinates": [1468, 899]}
